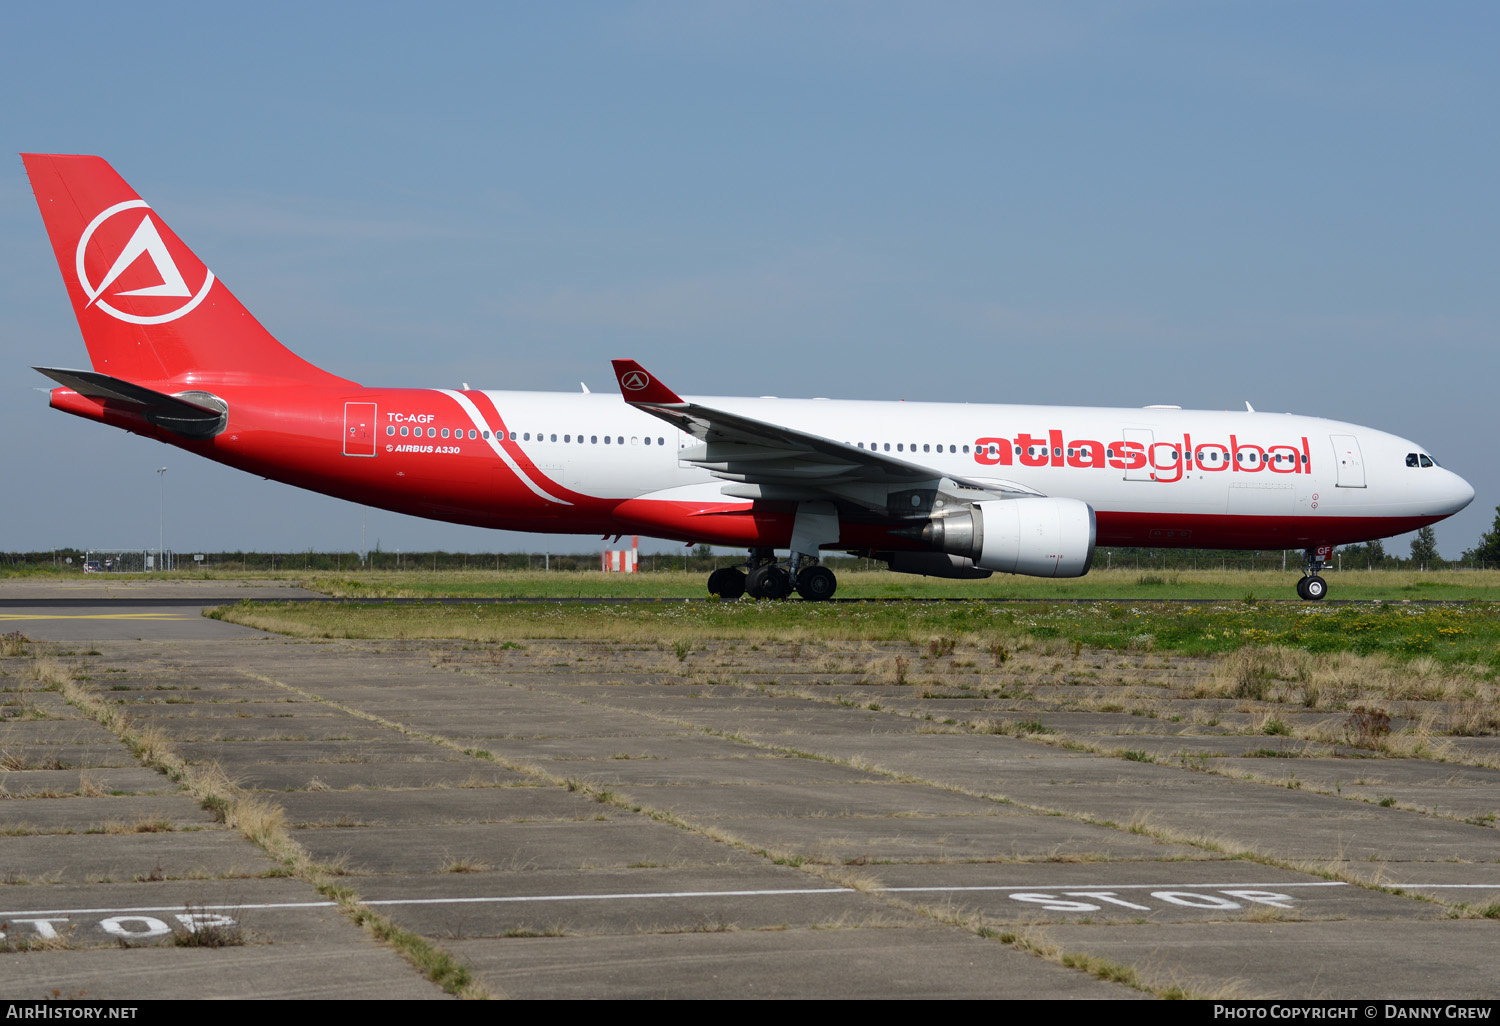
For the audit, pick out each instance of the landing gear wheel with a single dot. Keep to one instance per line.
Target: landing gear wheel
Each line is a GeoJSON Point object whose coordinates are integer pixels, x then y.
{"type": "Point", "coordinates": [1302, 588]}
{"type": "Point", "coordinates": [1314, 588]}
{"type": "Point", "coordinates": [769, 582]}
{"type": "Point", "coordinates": [726, 583]}
{"type": "Point", "coordinates": [817, 584]}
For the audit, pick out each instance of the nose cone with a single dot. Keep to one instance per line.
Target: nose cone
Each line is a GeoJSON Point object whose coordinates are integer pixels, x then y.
{"type": "Point", "coordinates": [1450, 492]}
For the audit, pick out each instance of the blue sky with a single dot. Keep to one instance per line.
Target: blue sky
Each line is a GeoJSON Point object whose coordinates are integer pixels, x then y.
{"type": "Point", "coordinates": [1096, 204]}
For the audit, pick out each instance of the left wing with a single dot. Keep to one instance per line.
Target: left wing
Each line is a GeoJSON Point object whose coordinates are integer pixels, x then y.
{"type": "Point", "coordinates": [762, 460]}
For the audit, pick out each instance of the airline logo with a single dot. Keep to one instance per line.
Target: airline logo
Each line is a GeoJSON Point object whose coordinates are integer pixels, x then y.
{"type": "Point", "coordinates": [1167, 460]}
{"type": "Point", "coordinates": [635, 381]}
{"type": "Point", "coordinates": [133, 249]}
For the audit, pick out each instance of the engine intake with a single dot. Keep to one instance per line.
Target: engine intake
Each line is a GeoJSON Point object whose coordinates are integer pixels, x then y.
{"type": "Point", "coordinates": [1040, 537]}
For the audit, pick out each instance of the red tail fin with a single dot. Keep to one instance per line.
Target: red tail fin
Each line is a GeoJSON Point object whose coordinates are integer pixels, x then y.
{"type": "Point", "coordinates": [150, 311]}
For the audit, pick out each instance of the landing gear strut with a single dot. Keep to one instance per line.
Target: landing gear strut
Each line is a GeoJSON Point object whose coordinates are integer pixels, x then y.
{"type": "Point", "coordinates": [1311, 587]}
{"type": "Point", "coordinates": [768, 579]}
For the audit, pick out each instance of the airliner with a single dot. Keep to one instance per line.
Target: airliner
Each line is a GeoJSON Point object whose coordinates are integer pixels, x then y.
{"type": "Point", "coordinates": [937, 489]}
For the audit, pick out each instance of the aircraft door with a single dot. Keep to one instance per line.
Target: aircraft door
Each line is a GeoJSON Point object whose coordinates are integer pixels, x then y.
{"type": "Point", "coordinates": [1144, 437]}
{"type": "Point", "coordinates": [359, 429]}
{"type": "Point", "coordinates": [1351, 467]}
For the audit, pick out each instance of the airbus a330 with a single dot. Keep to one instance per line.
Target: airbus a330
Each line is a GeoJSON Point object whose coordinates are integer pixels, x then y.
{"type": "Point", "coordinates": [930, 488]}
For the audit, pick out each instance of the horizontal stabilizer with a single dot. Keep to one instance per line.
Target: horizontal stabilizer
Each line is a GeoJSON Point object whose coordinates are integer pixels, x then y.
{"type": "Point", "coordinates": [202, 418]}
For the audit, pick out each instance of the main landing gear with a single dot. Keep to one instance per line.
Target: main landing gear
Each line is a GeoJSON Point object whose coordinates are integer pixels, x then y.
{"type": "Point", "coordinates": [769, 579]}
{"type": "Point", "coordinates": [1311, 587]}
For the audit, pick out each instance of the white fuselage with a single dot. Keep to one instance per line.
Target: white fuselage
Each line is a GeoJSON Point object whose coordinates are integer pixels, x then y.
{"type": "Point", "coordinates": [1168, 463]}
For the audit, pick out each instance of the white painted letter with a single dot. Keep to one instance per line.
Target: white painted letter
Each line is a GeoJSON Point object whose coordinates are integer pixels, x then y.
{"type": "Point", "coordinates": [1192, 899]}
{"type": "Point", "coordinates": [153, 927]}
{"type": "Point", "coordinates": [1262, 897]}
{"type": "Point", "coordinates": [1055, 904]}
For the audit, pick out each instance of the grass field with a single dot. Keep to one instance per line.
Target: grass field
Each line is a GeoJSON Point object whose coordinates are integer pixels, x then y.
{"type": "Point", "coordinates": [1128, 584]}
{"type": "Point", "coordinates": [1262, 585]}
{"type": "Point", "coordinates": [1395, 680]}
{"type": "Point", "coordinates": [1450, 634]}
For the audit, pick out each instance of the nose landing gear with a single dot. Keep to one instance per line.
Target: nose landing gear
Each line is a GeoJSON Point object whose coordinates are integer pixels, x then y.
{"type": "Point", "coordinates": [1311, 587]}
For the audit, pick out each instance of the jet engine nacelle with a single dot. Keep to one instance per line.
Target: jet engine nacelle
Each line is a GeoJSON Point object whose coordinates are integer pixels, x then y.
{"type": "Point", "coordinates": [1040, 537]}
{"type": "Point", "coordinates": [933, 564]}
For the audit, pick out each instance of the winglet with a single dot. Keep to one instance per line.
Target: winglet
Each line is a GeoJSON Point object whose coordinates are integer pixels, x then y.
{"type": "Point", "coordinates": [637, 386]}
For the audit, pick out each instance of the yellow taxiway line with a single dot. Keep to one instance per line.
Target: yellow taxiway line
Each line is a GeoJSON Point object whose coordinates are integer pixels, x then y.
{"type": "Point", "coordinates": [95, 616]}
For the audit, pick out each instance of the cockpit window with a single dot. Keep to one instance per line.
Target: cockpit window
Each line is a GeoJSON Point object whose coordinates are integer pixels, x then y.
{"type": "Point", "coordinates": [1411, 459]}
{"type": "Point", "coordinates": [1427, 460]}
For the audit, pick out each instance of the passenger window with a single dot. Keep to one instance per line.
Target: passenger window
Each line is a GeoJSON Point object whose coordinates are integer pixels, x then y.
{"type": "Point", "coordinates": [567, 438]}
{"type": "Point", "coordinates": [661, 441]}
{"type": "Point", "coordinates": [390, 429]}
{"type": "Point", "coordinates": [432, 432]}
{"type": "Point", "coordinates": [554, 438]}
{"type": "Point", "coordinates": [403, 432]}
{"type": "Point", "coordinates": [606, 439]}
{"type": "Point", "coordinates": [473, 433]}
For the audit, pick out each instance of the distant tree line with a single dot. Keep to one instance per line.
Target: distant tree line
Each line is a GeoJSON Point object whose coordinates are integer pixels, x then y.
{"type": "Point", "coordinates": [702, 559]}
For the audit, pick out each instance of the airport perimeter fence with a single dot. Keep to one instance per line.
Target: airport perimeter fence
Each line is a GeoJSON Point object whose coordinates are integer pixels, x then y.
{"type": "Point", "coordinates": [94, 560]}
{"type": "Point", "coordinates": [148, 560]}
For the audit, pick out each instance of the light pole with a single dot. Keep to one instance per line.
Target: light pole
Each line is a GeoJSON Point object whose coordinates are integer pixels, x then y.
{"type": "Point", "coordinates": [161, 524]}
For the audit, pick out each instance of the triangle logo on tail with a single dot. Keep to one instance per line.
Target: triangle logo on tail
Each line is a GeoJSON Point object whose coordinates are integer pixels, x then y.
{"type": "Point", "coordinates": [144, 241]}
